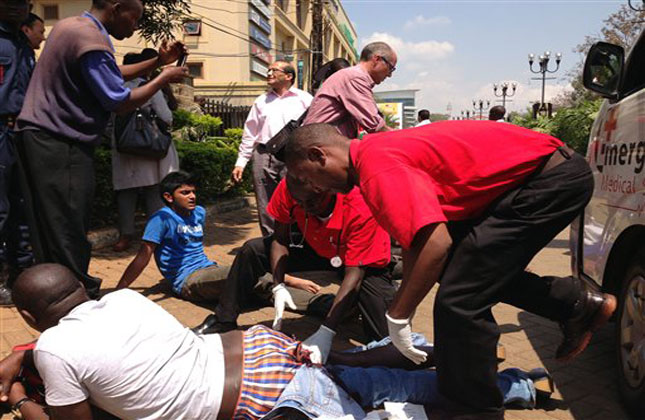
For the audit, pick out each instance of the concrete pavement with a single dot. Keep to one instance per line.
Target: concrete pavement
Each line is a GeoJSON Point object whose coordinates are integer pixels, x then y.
{"type": "Point", "coordinates": [586, 386]}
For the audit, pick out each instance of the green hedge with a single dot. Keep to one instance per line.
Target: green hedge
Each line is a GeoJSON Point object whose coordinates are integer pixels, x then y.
{"type": "Point", "coordinates": [211, 165]}
{"type": "Point", "coordinates": [571, 125]}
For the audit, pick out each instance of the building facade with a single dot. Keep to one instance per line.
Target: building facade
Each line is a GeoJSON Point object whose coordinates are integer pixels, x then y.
{"type": "Point", "coordinates": [232, 43]}
{"type": "Point", "coordinates": [406, 108]}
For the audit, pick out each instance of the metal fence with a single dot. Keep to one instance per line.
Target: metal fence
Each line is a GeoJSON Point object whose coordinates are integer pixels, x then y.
{"type": "Point", "coordinates": [232, 116]}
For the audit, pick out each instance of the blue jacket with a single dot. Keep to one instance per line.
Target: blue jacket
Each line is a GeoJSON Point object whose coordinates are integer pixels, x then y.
{"type": "Point", "coordinates": [16, 66]}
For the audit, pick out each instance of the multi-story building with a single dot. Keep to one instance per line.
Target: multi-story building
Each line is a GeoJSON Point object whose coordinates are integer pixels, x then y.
{"type": "Point", "coordinates": [406, 108]}
{"type": "Point", "coordinates": [232, 43]}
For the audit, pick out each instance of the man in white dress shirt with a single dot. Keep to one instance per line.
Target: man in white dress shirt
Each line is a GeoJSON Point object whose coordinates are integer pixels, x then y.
{"type": "Point", "coordinates": [423, 118]}
{"type": "Point", "coordinates": [497, 113]}
{"type": "Point", "coordinates": [269, 114]}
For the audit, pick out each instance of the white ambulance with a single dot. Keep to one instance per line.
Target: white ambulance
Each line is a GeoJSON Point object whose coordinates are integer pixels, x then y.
{"type": "Point", "coordinates": [608, 241]}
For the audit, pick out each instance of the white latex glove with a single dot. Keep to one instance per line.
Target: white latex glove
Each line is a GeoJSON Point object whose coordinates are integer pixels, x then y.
{"type": "Point", "coordinates": [281, 297]}
{"type": "Point", "coordinates": [319, 343]}
{"type": "Point", "coordinates": [401, 335]}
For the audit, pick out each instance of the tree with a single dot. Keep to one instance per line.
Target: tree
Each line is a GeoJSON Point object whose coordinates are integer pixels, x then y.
{"type": "Point", "coordinates": [391, 120]}
{"type": "Point", "coordinates": [439, 117]}
{"type": "Point", "coordinates": [621, 28]}
{"type": "Point", "coordinates": [161, 18]}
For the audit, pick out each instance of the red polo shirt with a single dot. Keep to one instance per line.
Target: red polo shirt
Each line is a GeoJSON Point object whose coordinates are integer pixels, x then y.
{"type": "Point", "coordinates": [449, 170]}
{"type": "Point", "coordinates": [362, 241]}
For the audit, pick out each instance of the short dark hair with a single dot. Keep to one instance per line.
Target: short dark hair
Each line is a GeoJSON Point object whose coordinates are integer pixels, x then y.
{"type": "Point", "coordinates": [376, 48]}
{"type": "Point", "coordinates": [132, 58]}
{"type": "Point", "coordinates": [424, 114]}
{"type": "Point", "coordinates": [31, 19]}
{"type": "Point", "coordinates": [328, 69]}
{"type": "Point", "coordinates": [102, 4]}
{"type": "Point", "coordinates": [496, 113]}
{"type": "Point", "coordinates": [174, 180]}
{"type": "Point", "coordinates": [148, 53]}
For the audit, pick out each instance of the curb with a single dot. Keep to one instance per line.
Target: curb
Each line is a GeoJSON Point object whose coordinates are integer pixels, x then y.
{"type": "Point", "coordinates": [107, 236]}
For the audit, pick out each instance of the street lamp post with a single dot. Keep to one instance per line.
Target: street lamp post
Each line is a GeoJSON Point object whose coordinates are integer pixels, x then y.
{"type": "Point", "coordinates": [504, 91]}
{"type": "Point", "coordinates": [544, 69]}
{"type": "Point", "coordinates": [479, 106]}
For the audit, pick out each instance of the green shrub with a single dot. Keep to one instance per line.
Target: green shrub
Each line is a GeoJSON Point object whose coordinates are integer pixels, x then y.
{"type": "Point", "coordinates": [181, 118]}
{"type": "Point", "coordinates": [195, 127]}
{"type": "Point", "coordinates": [234, 133]}
{"type": "Point", "coordinates": [211, 165]}
{"type": "Point", "coordinates": [104, 211]}
{"type": "Point", "coordinates": [571, 125]}
{"type": "Point", "coordinates": [206, 124]}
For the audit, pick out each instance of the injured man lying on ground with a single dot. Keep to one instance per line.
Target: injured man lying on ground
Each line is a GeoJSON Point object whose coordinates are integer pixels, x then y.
{"type": "Point", "coordinates": [125, 357]}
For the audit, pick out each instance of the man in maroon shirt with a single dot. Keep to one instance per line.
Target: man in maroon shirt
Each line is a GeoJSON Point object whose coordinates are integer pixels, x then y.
{"type": "Point", "coordinates": [346, 101]}
{"type": "Point", "coordinates": [471, 202]}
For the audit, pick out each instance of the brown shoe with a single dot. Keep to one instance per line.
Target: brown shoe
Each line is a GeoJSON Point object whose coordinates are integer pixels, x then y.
{"type": "Point", "coordinates": [590, 313]}
{"type": "Point", "coordinates": [122, 244]}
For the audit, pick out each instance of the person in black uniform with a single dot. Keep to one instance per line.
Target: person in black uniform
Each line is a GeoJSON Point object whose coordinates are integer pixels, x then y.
{"type": "Point", "coordinates": [16, 66]}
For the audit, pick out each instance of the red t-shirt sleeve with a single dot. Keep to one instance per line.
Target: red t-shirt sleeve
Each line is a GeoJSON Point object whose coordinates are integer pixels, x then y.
{"type": "Point", "coordinates": [402, 200]}
{"type": "Point", "coordinates": [281, 204]}
{"type": "Point", "coordinates": [367, 243]}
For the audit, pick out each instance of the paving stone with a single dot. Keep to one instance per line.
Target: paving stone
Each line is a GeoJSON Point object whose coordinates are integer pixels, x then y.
{"type": "Point", "coordinates": [586, 387]}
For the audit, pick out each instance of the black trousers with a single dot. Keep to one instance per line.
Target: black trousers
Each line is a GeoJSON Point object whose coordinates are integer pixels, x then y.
{"type": "Point", "coordinates": [487, 266]}
{"type": "Point", "coordinates": [58, 178]}
{"type": "Point", "coordinates": [252, 262]}
{"type": "Point", "coordinates": [15, 248]}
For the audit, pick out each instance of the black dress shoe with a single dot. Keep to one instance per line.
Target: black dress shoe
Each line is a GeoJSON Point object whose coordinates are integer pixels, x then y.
{"type": "Point", "coordinates": [590, 312]}
{"type": "Point", "coordinates": [211, 325]}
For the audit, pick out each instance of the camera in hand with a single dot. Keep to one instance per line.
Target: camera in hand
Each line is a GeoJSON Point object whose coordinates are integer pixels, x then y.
{"type": "Point", "coordinates": [182, 60]}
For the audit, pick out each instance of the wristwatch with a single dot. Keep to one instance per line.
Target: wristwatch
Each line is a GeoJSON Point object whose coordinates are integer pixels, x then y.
{"type": "Point", "coordinates": [16, 407]}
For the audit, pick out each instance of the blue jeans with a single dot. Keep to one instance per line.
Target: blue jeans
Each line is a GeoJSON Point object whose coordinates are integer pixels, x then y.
{"type": "Point", "coordinates": [341, 390]}
{"type": "Point", "coordinates": [372, 386]}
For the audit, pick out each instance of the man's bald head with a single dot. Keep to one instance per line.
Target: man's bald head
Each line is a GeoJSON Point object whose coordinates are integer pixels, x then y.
{"type": "Point", "coordinates": [47, 292]}
{"type": "Point", "coordinates": [317, 154]}
{"type": "Point", "coordinates": [120, 17]}
{"type": "Point", "coordinates": [307, 136]}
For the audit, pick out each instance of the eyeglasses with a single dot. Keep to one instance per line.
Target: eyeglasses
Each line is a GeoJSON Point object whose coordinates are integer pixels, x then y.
{"type": "Point", "coordinates": [389, 65]}
{"type": "Point", "coordinates": [274, 70]}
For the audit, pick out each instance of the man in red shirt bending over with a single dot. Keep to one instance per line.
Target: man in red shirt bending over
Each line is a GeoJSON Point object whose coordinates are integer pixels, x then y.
{"type": "Point", "coordinates": [471, 202]}
{"type": "Point", "coordinates": [314, 232]}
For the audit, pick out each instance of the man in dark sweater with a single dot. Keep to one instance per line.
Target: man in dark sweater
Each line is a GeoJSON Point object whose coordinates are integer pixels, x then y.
{"type": "Point", "coordinates": [75, 86]}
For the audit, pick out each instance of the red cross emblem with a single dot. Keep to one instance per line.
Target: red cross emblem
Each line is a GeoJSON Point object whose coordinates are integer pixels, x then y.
{"type": "Point", "coordinates": [611, 124]}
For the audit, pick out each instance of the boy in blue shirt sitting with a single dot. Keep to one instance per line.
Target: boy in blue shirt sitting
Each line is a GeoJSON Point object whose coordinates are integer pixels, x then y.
{"type": "Point", "coordinates": [175, 235]}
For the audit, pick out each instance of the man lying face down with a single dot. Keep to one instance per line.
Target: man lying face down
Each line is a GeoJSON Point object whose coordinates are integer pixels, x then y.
{"type": "Point", "coordinates": [127, 356]}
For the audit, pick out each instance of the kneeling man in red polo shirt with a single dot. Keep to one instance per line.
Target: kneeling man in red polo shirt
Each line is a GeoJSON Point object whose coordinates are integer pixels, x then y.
{"type": "Point", "coordinates": [314, 232]}
{"type": "Point", "coordinates": [471, 202]}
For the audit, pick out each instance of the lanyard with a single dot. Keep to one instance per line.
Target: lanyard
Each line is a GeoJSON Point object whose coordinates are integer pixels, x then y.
{"type": "Point", "coordinates": [302, 241]}
{"type": "Point", "coordinates": [336, 261]}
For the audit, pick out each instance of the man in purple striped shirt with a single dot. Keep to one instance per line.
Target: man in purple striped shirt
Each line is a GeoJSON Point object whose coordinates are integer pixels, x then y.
{"type": "Point", "coordinates": [345, 99]}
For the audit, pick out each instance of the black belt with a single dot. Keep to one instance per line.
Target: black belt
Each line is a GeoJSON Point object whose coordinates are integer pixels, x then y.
{"type": "Point", "coordinates": [562, 153]}
{"type": "Point", "coordinates": [232, 342]}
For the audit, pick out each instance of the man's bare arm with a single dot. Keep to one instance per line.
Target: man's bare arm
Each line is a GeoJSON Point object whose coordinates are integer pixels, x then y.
{"type": "Point", "coordinates": [346, 296]}
{"type": "Point", "coordinates": [78, 411]}
{"type": "Point", "coordinates": [423, 263]}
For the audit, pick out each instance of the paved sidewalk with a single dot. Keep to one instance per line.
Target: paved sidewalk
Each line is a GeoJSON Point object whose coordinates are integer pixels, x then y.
{"type": "Point", "coordinates": [586, 387]}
